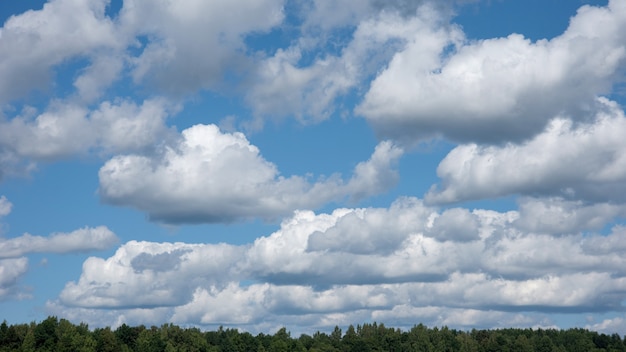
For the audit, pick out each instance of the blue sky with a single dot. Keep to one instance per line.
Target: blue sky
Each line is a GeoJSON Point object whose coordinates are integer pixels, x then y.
{"type": "Point", "coordinates": [258, 164]}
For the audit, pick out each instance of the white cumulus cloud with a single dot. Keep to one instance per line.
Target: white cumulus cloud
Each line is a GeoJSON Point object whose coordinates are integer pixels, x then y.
{"type": "Point", "coordinates": [10, 271]}
{"type": "Point", "coordinates": [66, 129]}
{"type": "Point", "coordinates": [146, 274]}
{"type": "Point", "coordinates": [190, 44]}
{"type": "Point", "coordinates": [576, 161]}
{"type": "Point", "coordinates": [368, 263]}
{"type": "Point", "coordinates": [211, 176]}
{"type": "Point", "coordinates": [33, 43]}
{"type": "Point", "coordinates": [286, 85]}
{"type": "Point", "coordinates": [499, 89]}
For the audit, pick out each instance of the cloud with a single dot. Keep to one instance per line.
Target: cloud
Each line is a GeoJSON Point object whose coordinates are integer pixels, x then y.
{"type": "Point", "coordinates": [496, 90]}
{"type": "Point", "coordinates": [325, 15]}
{"type": "Point", "coordinates": [455, 224]}
{"type": "Point", "coordinates": [94, 79]}
{"type": "Point", "coordinates": [576, 161]}
{"type": "Point", "coordinates": [366, 264]}
{"type": "Point", "coordinates": [10, 272]}
{"type": "Point", "coordinates": [282, 88]}
{"type": "Point", "coordinates": [81, 240]}
{"type": "Point", "coordinates": [608, 326]}
{"type": "Point", "coordinates": [287, 84]}
{"type": "Point", "coordinates": [190, 49]}
{"type": "Point", "coordinates": [5, 206]}
{"type": "Point", "coordinates": [607, 245]}
{"type": "Point", "coordinates": [32, 43]}
{"type": "Point", "coordinates": [211, 176]}
{"type": "Point", "coordinates": [146, 274]}
{"type": "Point", "coordinates": [81, 41]}
{"type": "Point", "coordinates": [368, 231]}
{"type": "Point", "coordinates": [377, 174]}
{"type": "Point", "coordinates": [67, 129]}
{"type": "Point", "coordinates": [194, 43]}
{"type": "Point", "coordinates": [555, 215]}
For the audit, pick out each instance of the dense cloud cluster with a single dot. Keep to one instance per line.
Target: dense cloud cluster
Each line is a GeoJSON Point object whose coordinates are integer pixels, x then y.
{"type": "Point", "coordinates": [373, 261]}
{"type": "Point", "coordinates": [535, 121]}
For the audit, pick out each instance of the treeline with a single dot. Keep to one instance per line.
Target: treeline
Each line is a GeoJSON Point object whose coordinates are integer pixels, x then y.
{"type": "Point", "coordinates": [53, 334]}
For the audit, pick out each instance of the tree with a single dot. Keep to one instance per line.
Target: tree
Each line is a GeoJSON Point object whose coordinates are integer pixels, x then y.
{"type": "Point", "coordinates": [68, 339]}
{"type": "Point", "coordinates": [466, 343]}
{"type": "Point", "coordinates": [106, 340]}
{"type": "Point", "coordinates": [4, 328]}
{"type": "Point", "coordinates": [419, 339]}
{"type": "Point", "coordinates": [193, 341]}
{"type": "Point", "coordinates": [281, 341]}
{"type": "Point", "coordinates": [10, 339]}
{"type": "Point", "coordinates": [126, 335]}
{"type": "Point", "coordinates": [322, 343]}
{"type": "Point", "coordinates": [543, 344]}
{"type": "Point", "coordinates": [149, 340]}
{"type": "Point", "coordinates": [45, 335]}
{"type": "Point", "coordinates": [522, 344]}
{"type": "Point", "coordinates": [28, 345]}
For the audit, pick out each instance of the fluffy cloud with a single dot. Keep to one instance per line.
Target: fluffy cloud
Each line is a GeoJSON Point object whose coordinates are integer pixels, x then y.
{"type": "Point", "coordinates": [190, 44]}
{"type": "Point", "coordinates": [609, 326]}
{"type": "Point", "coordinates": [79, 39]}
{"type": "Point", "coordinates": [613, 244]}
{"type": "Point", "coordinates": [499, 89]}
{"type": "Point", "coordinates": [145, 274]}
{"type": "Point", "coordinates": [367, 231]}
{"type": "Point", "coordinates": [210, 176]}
{"type": "Point", "coordinates": [557, 216]}
{"type": "Point", "coordinates": [299, 81]}
{"type": "Point", "coordinates": [66, 129]}
{"type": "Point", "coordinates": [5, 206]}
{"type": "Point", "coordinates": [576, 161]}
{"type": "Point", "coordinates": [10, 271]}
{"type": "Point", "coordinates": [455, 224]}
{"type": "Point", "coordinates": [99, 75]}
{"type": "Point", "coordinates": [32, 43]}
{"type": "Point", "coordinates": [364, 264]}
{"type": "Point", "coordinates": [283, 88]}
{"type": "Point", "coordinates": [81, 240]}
{"type": "Point", "coordinates": [286, 84]}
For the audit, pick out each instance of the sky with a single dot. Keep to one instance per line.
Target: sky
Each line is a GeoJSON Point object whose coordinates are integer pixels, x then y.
{"type": "Point", "coordinates": [264, 163]}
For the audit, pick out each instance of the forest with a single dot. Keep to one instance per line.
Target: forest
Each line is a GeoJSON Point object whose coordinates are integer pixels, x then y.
{"type": "Point", "coordinates": [53, 334]}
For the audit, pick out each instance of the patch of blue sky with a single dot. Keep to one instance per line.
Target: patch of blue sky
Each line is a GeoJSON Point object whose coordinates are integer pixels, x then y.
{"type": "Point", "coordinates": [52, 193]}
{"type": "Point", "coordinates": [213, 107]}
{"type": "Point", "coordinates": [114, 7]}
{"type": "Point", "coordinates": [535, 19]}
{"type": "Point", "coordinates": [11, 8]}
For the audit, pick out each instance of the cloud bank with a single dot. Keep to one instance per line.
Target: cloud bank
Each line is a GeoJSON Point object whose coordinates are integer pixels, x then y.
{"type": "Point", "coordinates": [323, 269]}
